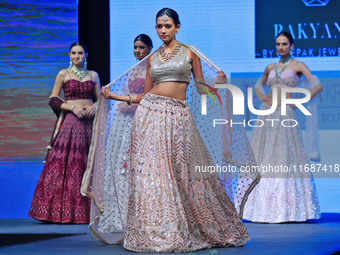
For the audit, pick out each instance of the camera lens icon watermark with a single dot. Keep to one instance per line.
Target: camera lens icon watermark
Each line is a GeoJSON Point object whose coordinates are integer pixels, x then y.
{"type": "Point", "coordinates": [311, 3]}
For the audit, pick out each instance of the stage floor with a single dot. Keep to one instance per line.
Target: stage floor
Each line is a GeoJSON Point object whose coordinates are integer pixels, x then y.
{"type": "Point", "coordinates": [28, 236]}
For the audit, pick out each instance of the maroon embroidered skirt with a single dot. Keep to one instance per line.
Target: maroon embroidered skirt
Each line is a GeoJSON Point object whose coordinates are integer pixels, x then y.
{"type": "Point", "coordinates": [57, 195]}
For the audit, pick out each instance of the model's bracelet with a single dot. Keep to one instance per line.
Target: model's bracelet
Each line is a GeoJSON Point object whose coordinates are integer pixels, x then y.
{"type": "Point", "coordinates": [130, 99]}
{"type": "Point", "coordinates": [72, 108]}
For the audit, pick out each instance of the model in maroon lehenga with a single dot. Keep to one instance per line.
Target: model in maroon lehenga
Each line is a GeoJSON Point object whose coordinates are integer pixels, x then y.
{"type": "Point", "coordinates": [57, 195]}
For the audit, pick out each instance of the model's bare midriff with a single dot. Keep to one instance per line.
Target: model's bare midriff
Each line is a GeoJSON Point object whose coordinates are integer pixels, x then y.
{"type": "Point", "coordinates": [84, 103]}
{"type": "Point", "coordinates": [172, 89]}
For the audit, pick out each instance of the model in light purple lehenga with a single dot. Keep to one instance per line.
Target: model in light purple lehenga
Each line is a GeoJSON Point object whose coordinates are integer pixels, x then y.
{"type": "Point", "coordinates": [281, 196]}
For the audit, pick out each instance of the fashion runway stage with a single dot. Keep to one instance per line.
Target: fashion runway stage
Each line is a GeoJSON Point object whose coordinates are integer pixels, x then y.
{"type": "Point", "coordinates": [28, 236]}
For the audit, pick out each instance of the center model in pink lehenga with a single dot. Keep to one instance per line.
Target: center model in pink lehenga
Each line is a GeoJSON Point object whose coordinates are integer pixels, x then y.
{"type": "Point", "coordinates": [166, 200]}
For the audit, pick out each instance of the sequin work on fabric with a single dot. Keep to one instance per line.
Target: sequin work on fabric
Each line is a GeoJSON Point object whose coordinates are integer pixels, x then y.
{"type": "Point", "coordinates": [57, 195]}
{"type": "Point", "coordinates": [281, 196]}
{"type": "Point", "coordinates": [189, 213]}
{"type": "Point", "coordinates": [116, 179]}
{"type": "Point", "coordinates": [176, 69]}
{"type": "Point", "coordinates": [172, 208]}
{"type": "Point", "coordinates": [75, 90]}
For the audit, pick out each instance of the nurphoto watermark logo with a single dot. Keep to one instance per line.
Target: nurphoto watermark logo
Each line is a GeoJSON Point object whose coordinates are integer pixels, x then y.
{"type": "Point", "coordinates": [238, 99]}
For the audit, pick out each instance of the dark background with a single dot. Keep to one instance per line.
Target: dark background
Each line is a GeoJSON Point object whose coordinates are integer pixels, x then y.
{"type": "Point", "coordinates": [268, 13]}
{"type": "Point", "coordinates": [94, 31]}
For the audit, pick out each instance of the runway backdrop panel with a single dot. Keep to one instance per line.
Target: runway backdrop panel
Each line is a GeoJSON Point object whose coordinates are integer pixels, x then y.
{"type": "Point", "coordinates": [35, 37]}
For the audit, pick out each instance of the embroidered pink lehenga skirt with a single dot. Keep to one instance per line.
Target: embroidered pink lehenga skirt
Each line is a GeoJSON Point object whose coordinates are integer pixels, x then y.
{"type": "Point", "coordinates": [172, 207]}
{"type": "Point", "coordinates": [57, 195]}
{"type": "Point", "coordinates": [281, 195]}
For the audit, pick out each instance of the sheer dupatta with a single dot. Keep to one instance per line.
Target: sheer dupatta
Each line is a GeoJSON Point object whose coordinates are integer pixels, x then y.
{"type": "Point", "coordinates": [106, 180]}
{"type": "Point", "coordinates": [312, 127]}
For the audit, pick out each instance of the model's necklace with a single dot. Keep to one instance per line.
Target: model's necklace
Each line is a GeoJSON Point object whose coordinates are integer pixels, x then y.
{"type": "Point", "coordinates": [285, 60]}
{"type": "Point", "coordinates": [166, 56]}
{"type": "Point", "coordinates": [278, 75]}
{"type": "Point", "coordinates": [80, 72]}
